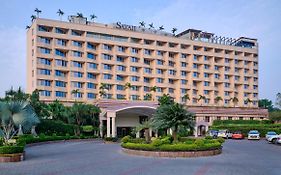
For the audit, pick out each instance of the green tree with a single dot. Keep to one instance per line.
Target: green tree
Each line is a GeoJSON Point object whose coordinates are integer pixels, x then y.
{"type": "Point", "coordinates": [93, 17]}
{"type": "Point", "coordinates": [275, 116]}
{"type": "Point", "coordinates": [145, 126]}
{"type": "Point", "coordinates": [234, 101]}
{"type": "Point", "coordinates": [40, 108]}
{"type": "Point", "coordinates": [186, 97]}
{"type": "Point", "coordinates": [218, 99]}
{"type": "Point", "coordinates": [127, 87]}
{"type": "Point", "coordinates": [172, 116]}
{"type": "Point", "coordinates": [58, 111]}
{"type": "Point", "coordinates": [148, 97]}
{"type": "Point", "coordinates": [103, 89]}
{"type": "Point", "coordinates": [278, 100]}
{"type": "Point", "coordinates": [60, 13]}
{"type": "Point", "coordinates": [267, 104]}
{"type": "Point", "coordinates": [16, 95]}
{"type": "Point", "coordinates": [14, 115]}
{"type": "Point", "coordinates": [37, 11]}
{"type": "Point", "coordinates": [201, 98]}
{"type": "Point", "coordinates": [166, 99]}
{"type": "Point", "coordinates": [153, 89]}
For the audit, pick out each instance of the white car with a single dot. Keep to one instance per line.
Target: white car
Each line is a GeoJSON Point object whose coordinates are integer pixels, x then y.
{"type": "Point", "coordinates": [253, 135]}
{"type": "Point", "coordinates": [278, 141]}
{"type": "Point", "coordinates": [271, 136]}
{"type": "Point", "coordinates": [224, 134]}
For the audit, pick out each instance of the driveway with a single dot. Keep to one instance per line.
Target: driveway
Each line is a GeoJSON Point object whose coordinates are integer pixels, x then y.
{"type": "Point", "coordinates": [239, 157]}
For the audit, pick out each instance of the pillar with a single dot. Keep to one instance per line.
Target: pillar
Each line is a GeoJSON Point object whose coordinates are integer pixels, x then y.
{"type": "Point", "coordinates": [101, 128]}
{"type": "Point", "coordinates": [113, 129]}
{"type": "Point", "coordinates": [156, 133]}
{"type": "Point", "coordinates": [108, 127]}
{"type": "Point", "coordinates": [195, 131]}
{"type": "Point", "coordinates": [138, 134]}
{"type": "Point", "coordinates": [150, 132]}
{"type": "Point", "coordinates": [111, 117]}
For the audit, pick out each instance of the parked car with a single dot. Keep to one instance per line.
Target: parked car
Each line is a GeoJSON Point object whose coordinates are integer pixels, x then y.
{"type": "Point", "coordinates": [224, 134]}
{"type": "Point", "coordinates": [237, 135]}
{"type": "Point", "coordinates": [213, 133]}
{"type": "Point", "coordinates": [271, 136]}
{"type": "Point", "coordinates": [278, 141]}
{"type": "Point", "coordinates": [253, 135]}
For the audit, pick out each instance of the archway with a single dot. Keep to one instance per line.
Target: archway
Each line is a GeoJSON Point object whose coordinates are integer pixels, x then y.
{"type": "Point", "coordinates": [201, 128]}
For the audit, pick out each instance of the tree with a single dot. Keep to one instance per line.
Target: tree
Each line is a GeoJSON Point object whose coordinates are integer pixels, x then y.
{"type": "Point", "coordinates": [218, 99]}
{"type": "Point", "coordinates": [145, 126]}
{"type": "Point", "coordinates": [40, 108]}
{"type": "Point", "coordinates": [16, 95]}
{"type": "Point", "coordinates": [14, 115]}
{"type": "Point", "coordinates": [166, 99]}
{"type": "Point", "coordinates": [142, 24]}
{"type": "Point", "coordinates": [161, 28]}
{"type": "Point", "coordinates": [267, 104]}
{"type": "Point", "coordinates": [60, 13]}
{"type": "Point", "coordinates": [172, 116]}
{"type": "Point", "coordinates": [75, 92]}
{"type": "Point", "coordinates": [127, 87]}
{"type": "Point", "coordinates": [93, 17]}
{"type": "Point", "coordinates": [57, 111]}
{"type": "Point", "coordinates": [201, 97]}
{"type": "Point", "coordinates": [27, 27]}
{"type": "Point", "coordinates": [80, 15]}
{"type": "Point", "coordinates": [278, 100]}
{"type": "Point", "coordinates": [174, 30]}
{"type": "Point", "coordinates": [248, 101]}
{"type": "Point", "coordinates": [186, 97]}
{"type": "Point", "coordinates": [33, 17]}
{"type": "Point", "coordinates": [151, 26]}
{"type": "Point", "coordinates": [37, 12]}
{"type": "Point", "coordinates": [148, 97]}
{"type": "Point", "coordinates": [103, 90]}
{"type": "Point", "coordinates": [153, 89]}
{"type": "Point", "coordinates": [275, 116]}
{"type": "Point", "coordinates": [234, 101]}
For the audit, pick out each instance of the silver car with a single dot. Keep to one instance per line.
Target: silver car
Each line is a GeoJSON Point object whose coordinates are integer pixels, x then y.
{"type": "Point", "coordinates": [253, 135]}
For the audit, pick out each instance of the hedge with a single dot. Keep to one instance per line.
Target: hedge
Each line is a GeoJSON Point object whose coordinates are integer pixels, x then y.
{"type": "Point", "coordinates": [263, 129]}
{"type": "Point", "coordinates": [11, 149]}
{"type": "Point", "coordinates": [48, 127]}
{"type": "Point", "coordinates": [241, 122]}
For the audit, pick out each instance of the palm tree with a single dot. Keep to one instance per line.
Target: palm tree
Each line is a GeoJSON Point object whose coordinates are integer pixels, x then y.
{"type": "Point", "coordinates": [148, 97]}
{"type": "Point", "coordinates": [60, 13]}
{"type": "Point", "coordinates": [165, 99]}
{"type": "Point", "coordinates": [142, 24]}
{"type": "Point", "coordinates": [234, 101]}
{"type": "Point", "coordinates": [127, 87]}
{"type": "Point", "coordinates": [16, 95]}
{"type": "Point", "coordinates": [93, 17]}
{"type": "Point", "coordinates": [218, 99]}
{"type": "Point", "coordinates": [186, 97]}
{"type": "Point", "coordinates": [15, 115]}
{"type": "Point", "coordinates": [33, 17]}
{"type": "Point", "coordinates": [248, 101]}
{"type": "Point", "coordinates": [153, 89]}
{"type": "Point", "coordinates": [27, 27]}
{"type": "Point", "coordinates": [173, 116]}
{"type": "Point", "coordinates": [161, 28]}
{"type": "Point", "coordinates": [37, 12]}
{"type": "Point", "coordinates": [151, 26]}
{"type": "Point", "coordinates": [174, 30]}
{"type": "Point", "coordinates": [103, 90]}
{"type": "Point", "coordinates": [80, 15]}
{"type": "Point", "coordinates": [201, 97]}
{"type": "Point", "coordinates": [145, 126]}
{"type": "Point", "coordinates": [75, 92]}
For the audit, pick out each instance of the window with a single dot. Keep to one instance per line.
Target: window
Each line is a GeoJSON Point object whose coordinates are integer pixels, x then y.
{"type": "Point", "coordinates": [237, 78]}
{"type": "Point", "coordinates": [43, 29]}
{"type": "Point", "coordinates": [183, 64]}
{"type": "Point", "coordinates": [106, 57]}
{"type": "Point", "coordinates": [217, 76]}
{"type": "Point", "coordinates": [171, 63]}
{"type": "Point", "coordinates": [44, 82]}
{"type": "Point", "coordinates": [183, 55]}
{"type": "Point", "coordinates": [134, 69]}
{"type": "Point", "coordinates": [76, 33]}
{"type": "Point", "coordinates": [60, 84]}
{"type": "Point", "coordinates": [91, 95]}
{"type": "Point", "coordinates": [134, 59]}
{"type": "Point", "coordinates": [207, 119]}
{"type": "Point", "coordinates": [171, 90]}
{"type": "Point", "coordinates": [119, 78]}
{"type": "Point", "coordinates": [195, 58]}
{"type": "Point", "coordinates": [61, 42]}
{"type": "Point", "coordinates": [206, 92]}
{"type": "Point", "coordinates": [195, 66]}
{"type": "Point", "coordinates": [77, 43]}
{"type": "Point", "coordinates": [77, 53]}
{"type": "Point", "coordinates": [78, 95]}
{"type": "Point", "coordinates": [196, 74]}
{"type": "Point", "coordinates": [77, 74]}
{"type": "Point", "coordinates": [206, 58]}
{"type": "Point", "coordinates": [44, 40]}
{"type": "Point", "coordinates": [91, 86]}
{"type": "Point", "coordinates": [227, 69]}
{"type": "Point", "coordinates": [107, 47]}
{"type": "Point", "coordinates": [229, 118]}
{"type": "Point", "coordinates": [121, 49]}
{"type": "Point", "coordinates": [120, 87]}
{"type": "Point", "coordinates": [92, 66]}
{"type": "Point", "coordinates": [134, 97]}
{"type": "Point", "coordinates": [160, 71]}
{"type": "Point", "coordinates": [44, 50]}
{"type": "Point", "coordinates": [206, 83]}
{"type": "Point", "coordinates": [147, 52]}
{"type": "Point", "coordinates": [91, 76]}
{"type": "Point", "coordinates": [77, 84]}
{"type": "Point", "coordinates": [160, 53]}
{"type": "Point", "coordinates": [107, 67]}
{"type": "Point", "coordinates": [107, 76]}
{"type": "Point", "coordinates": [60, 73]}
{"type": "Point", "coordinates": [183, 73]}
{"type": "Point", "coordinates": [172, 72]}
{"type": "Point", "coordinates": [226, 93]}
{"type": "Point", "coordinates": [44, 61]}
{"type": "Point", "coordinates": [121, 68]}
{"type": "Point", "coordinates": [120, 96]}
{"type": "Point", "coordinates": [146, 80]}
{"type": "Point", "coordinates": [77, 64]}
{"type": "Point", "coordinates": [227, 85]}
{"type": "Point", "coordinates": [147, 70]}
{"type": "Point", "coordinates": [134, 78]}
{"type": "Point", "coordinates": [146, 61]}
{"type": "Point", "coordinates": [44, 71]}
{"type": "Point", "coordinates": [183, 81]}
{"type": "Point", "coordinates": [60, 94]}
{"type": "Point", "coordinates": [160, 62]}
{"type": "Point", "coordinates": [206, 66]}
{"type": "Point", "coordinates": [134, 50]}
{"type": "Point", "coordinates": [60, 53]}
{"type": "Point", "coordinates": [226, 60]}
{"type": "Point", "coordinates": [206, 75]}
{"type": "Point", "coordinates": [226, 77]}
{"type": "Point", "coordinates": [216, 67]}
{"type": "Point", "coordinates": [146, 89]}
{"type": "Point", "coordinates": [45, 93]}
{"type": "Point", "coordinates": [160, 80]}
{"type": "Point", "coordinates": [91, 46]}
{"type": "Point", "coordinates": [60, 31]}
{"type": "Point", "coordinates": [119, 59]}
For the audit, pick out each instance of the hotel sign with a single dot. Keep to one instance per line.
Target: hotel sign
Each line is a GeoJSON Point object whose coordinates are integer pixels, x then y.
{"type": "Point", "coordinates": [119, 25]}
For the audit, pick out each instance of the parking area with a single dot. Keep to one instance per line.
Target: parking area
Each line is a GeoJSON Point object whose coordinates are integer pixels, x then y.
{"type": "Point", "coordinates": [239, 157]}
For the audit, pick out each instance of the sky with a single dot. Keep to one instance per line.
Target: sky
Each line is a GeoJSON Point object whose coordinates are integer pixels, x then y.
{"type": "Point", "coordinates": [255, 19]}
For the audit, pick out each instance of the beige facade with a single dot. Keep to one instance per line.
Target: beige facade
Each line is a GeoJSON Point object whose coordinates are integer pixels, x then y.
{"type": "Point", "coordinates": [99, 60]}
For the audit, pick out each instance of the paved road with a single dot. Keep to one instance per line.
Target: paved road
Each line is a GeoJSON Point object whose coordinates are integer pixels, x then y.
{"type": "Point", "coordinates": [239, 157]}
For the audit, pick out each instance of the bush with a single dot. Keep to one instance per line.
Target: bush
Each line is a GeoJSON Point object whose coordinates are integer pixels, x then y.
{"type": "Point", "coordinates": [11, 149]}
{"type": "Point", "coordinates": [199, 142]}
{"type": "Point", "coordinates": [221, 140]}
{"type": "Point", "coordinates": [48, 127]}
{"type": "Point", "coordinates": [208, 137]}
{"type": "Point", "coordinates": [126, 139]}
{"type": "Point", "coordinates": [111, 139]}
{"type": "Point", "coordinates": [240, 122]}
{"type": "Point", "coordinates": [139, 146]}
{"type": "Point", "coordinates": [156, 142]}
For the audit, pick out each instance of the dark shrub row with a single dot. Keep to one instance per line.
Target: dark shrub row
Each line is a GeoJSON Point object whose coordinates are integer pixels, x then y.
{"type": "Point", "coordinates": [241, 122]}
{"type": "Point", "coordinates": [11, 149]}
{"type": "Point", "coordinates": [48, 127]}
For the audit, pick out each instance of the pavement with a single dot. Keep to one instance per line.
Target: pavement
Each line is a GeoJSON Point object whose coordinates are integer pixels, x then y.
{"type": "Point", "coordinates": [239, 157]}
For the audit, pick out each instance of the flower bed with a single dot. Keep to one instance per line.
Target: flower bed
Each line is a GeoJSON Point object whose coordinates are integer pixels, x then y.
{"type": "Point", "coordinates": [164, 147]}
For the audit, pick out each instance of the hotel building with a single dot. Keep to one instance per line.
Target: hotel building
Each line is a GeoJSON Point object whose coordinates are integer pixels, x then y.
{"type": "Point", "coordinates": [125, 69]}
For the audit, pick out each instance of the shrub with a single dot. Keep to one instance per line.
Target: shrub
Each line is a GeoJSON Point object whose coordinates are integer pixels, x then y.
{"type": "Point", "coordinates": [138, 140]}
{"type": "Point", "coordinates": [48, 127]}
{"type": "Point", "coordinates": [220, 140]}
{"type": "Point", "coordinates": [166, 140]}
{"type": "Point", "coordinates": [240, 122]}
{"type": "Point", "coordinates": [199, 142]}
{"type": "Point", "coordinates": [186, 139]}
{"type": "Point", "coordinates": [156, 142]}
{"type": "Point", "coordinates": [11, 149]}
{"type": "Point", "coordinates": [126, 139]}
{"type": "Point", "coordinates": [139, 146]}
{"type": "Point", "coordinates": [111, 139]}
{"type": "Point", "coordinates": [208, 137]}
{"type": "Point", "coordinates": [87, 128]}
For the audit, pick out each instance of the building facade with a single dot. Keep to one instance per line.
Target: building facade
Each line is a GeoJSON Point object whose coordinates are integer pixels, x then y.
{"type": "Point", "coordinates": [84, 61]}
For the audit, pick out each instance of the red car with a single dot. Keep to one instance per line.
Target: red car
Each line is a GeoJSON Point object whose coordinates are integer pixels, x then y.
{"type": "Point", "coordinates": [237, 135]}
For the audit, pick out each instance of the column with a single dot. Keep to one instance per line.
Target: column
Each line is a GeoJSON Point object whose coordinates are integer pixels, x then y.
{"type": "Point", "coordinates": [138, 134]}
{"type": "Point", "coordinates": [195, 131]}
{"type": "Point", "coordinates": [107, 126]}
{"type": "Point", "coordinates": [113, 127]}
{"type": "Point", "coordinates": [156, 133]}
{"type": "Point", "coordinates": [150, 132]}
{"type": "Point", "coordinates": [101, 128]}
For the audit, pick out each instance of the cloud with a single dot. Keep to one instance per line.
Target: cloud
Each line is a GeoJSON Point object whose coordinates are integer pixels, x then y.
{"type": "Point", "coordinates": [12, 58]}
